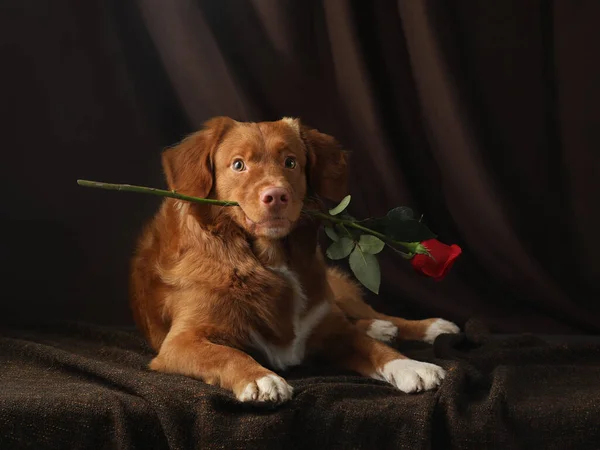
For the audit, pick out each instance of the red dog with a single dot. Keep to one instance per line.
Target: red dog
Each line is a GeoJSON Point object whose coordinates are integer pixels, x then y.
{"type": "Point", "coordinates": [212, 285]}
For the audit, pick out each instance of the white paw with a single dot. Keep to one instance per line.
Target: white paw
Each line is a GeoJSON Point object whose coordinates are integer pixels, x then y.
{"type": "Point", "coordinates": [411, 376]}
{"type": "Point", "coordinates": [440, 326]}
{"type": "Point", "coordinates": [382, 330]}
{"type": "Point", "coordinates": [269, 388]}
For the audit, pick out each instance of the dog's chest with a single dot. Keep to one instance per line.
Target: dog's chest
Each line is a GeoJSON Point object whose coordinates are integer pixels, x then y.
{"type": "Point", "coordinates": [303, 321]}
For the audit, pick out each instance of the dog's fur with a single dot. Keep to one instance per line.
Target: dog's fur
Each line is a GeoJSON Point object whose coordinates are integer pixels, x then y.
{"type": "Point", "coordinates": [212, 285]}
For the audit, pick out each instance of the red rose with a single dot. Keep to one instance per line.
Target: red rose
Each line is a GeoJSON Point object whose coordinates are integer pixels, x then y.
{"type": "Point", "coordinates": [441, 261]}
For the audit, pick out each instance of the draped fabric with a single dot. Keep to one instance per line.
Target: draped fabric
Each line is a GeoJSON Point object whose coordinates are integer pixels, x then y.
{"type": "Point", "coordinates": [82, 386]}
{"type": "Point", "coordinates": [479, 115]}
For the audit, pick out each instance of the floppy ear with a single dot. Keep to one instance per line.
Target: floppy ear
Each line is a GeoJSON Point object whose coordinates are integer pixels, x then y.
{"type": "Point", "coordinates": [188, 165]}
{"type": "Point", "coordinates": [328, 164]}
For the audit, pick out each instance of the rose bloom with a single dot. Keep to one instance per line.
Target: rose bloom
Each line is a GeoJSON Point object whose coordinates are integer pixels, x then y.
{"type": "Point", "coordinates": [441, 261]}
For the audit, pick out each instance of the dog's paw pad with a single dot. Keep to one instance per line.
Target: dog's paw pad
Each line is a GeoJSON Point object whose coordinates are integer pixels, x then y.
{"type": "Point", "coordinates": [411, 376]}
{"type": "Point", "coordinates": [440, 326]}
{"type": "Point", "coordinates": [269, 388]}
{"type": "Point", "coordinates": [382, 330]}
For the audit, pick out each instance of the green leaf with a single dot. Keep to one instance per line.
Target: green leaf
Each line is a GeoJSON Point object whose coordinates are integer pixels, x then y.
{"type": "Point", "coordinates": [400, 225]}
{"type": "Point", "coordinates": [332, 234]}
{"type": "Point", "coordinates": [378, 224]}
{"type": "Point", "coordinates": [366, 269]}
{"type": "Point", "coordinates": [352, 233]}
{"type": "Point", "coordinates": [340, 249]}
{"type": "Point", "coordinates": [342, 206]}
{"type": "Point", "coordinates": [408, 231]}
{"type": "Point", "coordinates": [341, 230]}
{"type": "Point", "coordinates": [370, 244]}
{"type": "Point", "coordinates": [401, 213]}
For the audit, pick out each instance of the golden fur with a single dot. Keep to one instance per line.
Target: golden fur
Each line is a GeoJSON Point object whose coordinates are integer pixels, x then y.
{"type": "Point", "coordinates": [209, 283]}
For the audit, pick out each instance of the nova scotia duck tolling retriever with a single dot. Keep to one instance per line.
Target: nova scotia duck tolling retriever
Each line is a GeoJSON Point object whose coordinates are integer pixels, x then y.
{"type": "Point", "coordinates": [235, 295]}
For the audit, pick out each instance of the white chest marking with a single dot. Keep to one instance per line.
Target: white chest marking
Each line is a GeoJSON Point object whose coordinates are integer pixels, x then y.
{"type": "Point", "coordinates": [293, 354]}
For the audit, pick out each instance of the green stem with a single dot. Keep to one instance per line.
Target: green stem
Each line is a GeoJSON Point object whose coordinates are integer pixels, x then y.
{"type": "Point", "coordinates": [410, 246]}
{"type": "Point", "coordinates": [400, 252]}
{"type": "Point", "coordinates": [153, 191]}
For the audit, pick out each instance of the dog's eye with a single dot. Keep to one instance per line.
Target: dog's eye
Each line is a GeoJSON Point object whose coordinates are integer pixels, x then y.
{"type": "Point", "coordinates": [290, 163]}
{"type": "Point", "coordinates": [238, 165]}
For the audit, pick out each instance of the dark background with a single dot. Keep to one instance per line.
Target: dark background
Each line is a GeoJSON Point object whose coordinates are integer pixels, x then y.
{"type": "Point", "coordinates": [483, 116]}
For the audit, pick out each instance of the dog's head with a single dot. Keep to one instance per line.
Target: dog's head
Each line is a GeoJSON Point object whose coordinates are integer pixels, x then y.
{"type": "Point", "coordinates": [269, 168]}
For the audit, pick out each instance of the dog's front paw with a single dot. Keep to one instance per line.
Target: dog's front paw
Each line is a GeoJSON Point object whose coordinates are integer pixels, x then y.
{"type": "Point", "coordinates": [269, 388]}
{"type": "Point", "coordinates": [411, 376]}
{"type": "Point", "coordinates": [437, 327]}
{"type": "Point", "coordinates": [382, 330]}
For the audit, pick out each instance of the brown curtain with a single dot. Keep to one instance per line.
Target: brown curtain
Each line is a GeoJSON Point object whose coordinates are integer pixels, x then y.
{"type": "Point", "coordinates": [480, 115]}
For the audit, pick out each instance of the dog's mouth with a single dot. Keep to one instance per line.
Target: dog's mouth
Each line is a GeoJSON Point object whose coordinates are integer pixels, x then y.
{"type": "Point", "coordinates": [271, 222]}
{"type": "Point", "coordinates": [271, 227]}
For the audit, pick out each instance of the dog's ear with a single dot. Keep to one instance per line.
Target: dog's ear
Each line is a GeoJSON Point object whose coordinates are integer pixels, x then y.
{"type": "Point", "coordinates": [327, 164]}
{"type": "Point", "coordinates": [188, 165]}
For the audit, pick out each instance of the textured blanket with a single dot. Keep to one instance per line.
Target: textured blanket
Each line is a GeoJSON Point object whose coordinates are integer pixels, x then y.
{"type": "Point", "coordinates": [80, 386]}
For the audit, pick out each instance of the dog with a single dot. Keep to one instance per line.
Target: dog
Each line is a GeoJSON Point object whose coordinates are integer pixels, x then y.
{"type": "Point", "coordinates": [231, 295]}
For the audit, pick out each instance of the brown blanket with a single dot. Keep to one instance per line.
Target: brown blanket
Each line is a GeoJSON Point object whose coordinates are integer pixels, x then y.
{"type": "Point", "coordinates": [80, 386]}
